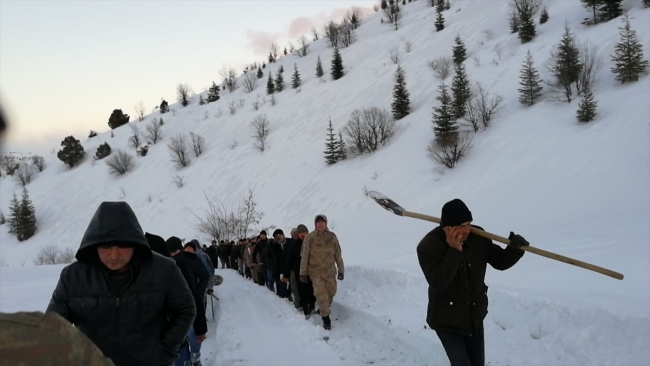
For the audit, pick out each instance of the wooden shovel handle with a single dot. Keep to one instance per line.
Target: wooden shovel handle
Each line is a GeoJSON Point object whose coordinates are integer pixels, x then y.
{"type": "Point", "coordinates": [543, 253]}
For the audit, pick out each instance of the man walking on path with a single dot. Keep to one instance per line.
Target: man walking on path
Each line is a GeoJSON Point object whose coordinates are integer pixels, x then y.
{"type": "Point", "coordinates": [320, 258]}
{"type": "Point", "coordinates": [133, 304]}
{"type": "Point", "coordinates": [454, 261]}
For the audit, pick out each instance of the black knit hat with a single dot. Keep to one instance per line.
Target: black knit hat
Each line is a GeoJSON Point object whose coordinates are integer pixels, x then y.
{"type": "Point", "coordinates": [278, 231]}
{"type": "Point", "coordinates": [263, 232]}
{"type": "Point", "coordinates": [174, 244]}
{"type": "Point", "coordinates": [454, 213]}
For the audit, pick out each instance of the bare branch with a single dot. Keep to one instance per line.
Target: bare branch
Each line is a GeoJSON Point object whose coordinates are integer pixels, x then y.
{"type": "Point", "coordinates": [261, 126]}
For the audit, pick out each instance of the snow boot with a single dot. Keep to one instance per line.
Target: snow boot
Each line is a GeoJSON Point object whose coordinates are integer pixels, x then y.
{"type": "Point", "coordinates": [327, 323]}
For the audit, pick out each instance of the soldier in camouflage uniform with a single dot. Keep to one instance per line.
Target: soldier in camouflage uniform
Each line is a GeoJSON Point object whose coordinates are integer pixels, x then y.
{"type": "Point", "coordinates": [321, 255]}
{"type": "Point", "coordinates": [45, 339]}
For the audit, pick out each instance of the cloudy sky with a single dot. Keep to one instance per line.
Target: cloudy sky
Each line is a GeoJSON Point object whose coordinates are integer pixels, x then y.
{"type": "Point", "coordinates": [65, 65]}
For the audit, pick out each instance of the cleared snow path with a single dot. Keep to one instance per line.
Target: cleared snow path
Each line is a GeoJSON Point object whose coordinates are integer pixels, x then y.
{"type": "Point", "coordinates": [255, 327]}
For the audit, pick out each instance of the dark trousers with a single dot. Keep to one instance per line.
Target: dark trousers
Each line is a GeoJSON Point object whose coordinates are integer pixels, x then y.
{"type": "Point", "coordinates": [307, 298]}
{"type": "Point", "coordinates": [464, 350]}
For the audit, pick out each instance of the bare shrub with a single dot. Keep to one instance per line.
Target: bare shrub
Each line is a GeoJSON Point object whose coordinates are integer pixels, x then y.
{"type": "Point", "coordinates": [261, 126]}
{"type": "Point", "coordinates": [120, 162]}
{"type": "Point", "coordinates": [591, 64]}
{"type": "Point", "coordinates": [272, 100]}
{"type": "Point", "coordinates": [498, 50]}
{"type": "Point", "coordinates": [250, 82]}
{"type": "Point", "coordinates": [232, 107]}
{"type": "Point", "coordinates": [482, 108]}
{"type": "Point", "coordinates": [303, 46]}
{"type": "Point", "coordinates": [198, 143]}
{"type": "Point", "coordinates": [218, 221]}
{"type": "Point", "coordinates": [24, 173]}
{"type": "Point", "coordinates": [229, 77]}
{"type": "Point", "coordinates": [179, 150]}
{"type": "Point", "coordinates": [394, 55]}
{"type": "Point", "coordinates": [9, 164]}
{"type": "Point", "coordinates": [314, 34]}
{"type": "Point", "coordinates": [256, 104]}
{"type": "Point", "coordinates": [441, 67]}
{"type": "Point", "coordinates": [135, 139]}
{"type": "Point", "coordinates": [477, 61]}
{"type": "Point", "coordinates": [47, 255]}
{"type": "Point", "coordinates": [347, 35]}
{"type": "Point", "coordinates": [449, 154]}
{"type": "Point", "coordinates": [369, 128]}
{"type": "Point", "coordinates": [275, 49]}
{"type": "Point", "coordinates": [152, 131]}
{"type": "Point", "coordinates": [139, 111]}
{"type": "Point", "coordinates": [331, 31]}
{"type": "Point", "coordinates": [52, 254]}
{"type": "Point", "coordinates": [183, 92]}
{"type": "Point", "coordinates": [247, 215]}
{"type": "Point", "coordinates": [233, 145]}
{"type": "Point", "coordinates": [241, 103]}
{"type": "Point", "coordinates": [353, 16]}
{"type": "Point", "coordinates": [179, 181]}
{"type": "Point", "coordinates": [488, 34]}
{"type": "Point", "coordinates": [39, 162]}
{"type": "Point", "coordinates": [408, 46]}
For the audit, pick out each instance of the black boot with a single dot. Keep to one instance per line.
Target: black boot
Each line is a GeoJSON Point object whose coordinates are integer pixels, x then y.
{"type": "Point", "coordinates": [327, 323]}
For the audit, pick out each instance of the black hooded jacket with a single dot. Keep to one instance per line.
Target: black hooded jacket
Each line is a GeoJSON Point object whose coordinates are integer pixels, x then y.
{"type": "Point", "coordinates": [145, 319]}
{"type": "Point", "coordinates": [292, 258]}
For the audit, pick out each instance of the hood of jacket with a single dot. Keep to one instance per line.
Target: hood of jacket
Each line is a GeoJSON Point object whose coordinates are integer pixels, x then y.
{"type": "Point", "coordinates": [113, 222]}
{"type": "Point", "coordinates": [157, 244]}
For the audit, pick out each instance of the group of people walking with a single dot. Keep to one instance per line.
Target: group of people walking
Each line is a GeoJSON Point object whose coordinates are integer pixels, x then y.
{"type": "Point", "coordinates": [302, 268]}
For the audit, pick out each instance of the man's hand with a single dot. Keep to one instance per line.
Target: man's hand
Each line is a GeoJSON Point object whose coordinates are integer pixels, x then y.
{"type": "Point", "coordinates": [210, 291]}
{"type": "Point", "coordinates": [304, 278]}
{"type": "Point", "coordinates": [200, 338]}
{"type": "Point", "coordinates": [341, 276]}
{"type": "Point", "coordinates": [454, 236]}
{"type": "Point", "coordinates": [517, 241]}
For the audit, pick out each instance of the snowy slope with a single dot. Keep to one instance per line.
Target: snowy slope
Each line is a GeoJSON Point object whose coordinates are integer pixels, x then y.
{"type": "Point", "coordinates": [579, 190]}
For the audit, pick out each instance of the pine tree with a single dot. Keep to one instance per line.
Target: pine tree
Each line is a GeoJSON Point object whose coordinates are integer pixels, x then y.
{"type": "Point", "coordinates": [72, 151]}
{"type": "Point", "coordinates": [593, 6]}
{"type": "Point", "coordinates": [447, 5]}
{"type": "Point", "coordinates": [337, 65]}
{"type": "Point", "coordinates": [281, 69]}
{"type": "Point", "coordinates": [260, 74]}
{"type": "Point", "coordinates": [526, 28]}
{"type": "Point", "coordinates": [384, 4]}
{"type": "Point", "coordinates": [279, 81]}
{"type": "Point", "coordinates": [401, 102]}
{"type": "Point", "coordinates": [587, 107]}
{"type": "Point", "coordinates": [440, 22]}
{"type": "Point", "coordinates": [459, 51]}
{"type": "Point", "coordinates": [513, 21]}
{"type": "Point", "coordinates": [565, 63]}
{"type": "Point", "coordinates": [3, 219]}
{"type": "Point", "coordinates": [440, 6]}
{"type": "Point", "coordinates": [14, 212]}
{"type": "Point", "coordinates": [646, 3]}
{"type": "Point", "coordinates": [201, 101]}
{"type": "Point", "coordinates": [445, 127]}
{"type": "Point", "coordinates": [103, 151]}
{"type": "Point", "coordinates": [331, 145]}
{"type": "Point", "coordinates": [319, 67]}
{"type": "Point", "coordinates": [270, 85]}
{"type": "Point", "coordinates": [26, 221]}
{"type": "Point", "coordinates": [341, 149]}
{"type": "Point", "coordinates": [628, 55]}
{"type": "Point", "coordinates": [295, 78]}
{"type": "Point", "coordinates": [271, 58]}
{"type": "Point", "coordinates": [164, 107]}
{"type": "Point", "coordinates": [460, 90]}
{"type": "Point", "coordinates": [543, 18]}
{"type": "Point", "coordinates": [610, 9]}
{"type": "Point", "coordinates": [213, 93]}
{"type": "Point", "coordinates": [531, 83]}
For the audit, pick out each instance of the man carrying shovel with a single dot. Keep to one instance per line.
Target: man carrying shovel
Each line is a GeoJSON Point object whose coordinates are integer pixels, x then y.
{"type": "Point", "coordinates": [454, 261]}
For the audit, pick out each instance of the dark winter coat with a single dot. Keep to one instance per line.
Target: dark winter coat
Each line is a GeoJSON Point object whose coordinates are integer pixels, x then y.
{"type": "Point", "coordinates": [458, 300]}
{"type": "Point", "coordinates": [259, 252]}
{"type": "Point", "coordinates": [292, 259]}
{"type": "Point", "coordinates": [196, 276]}
{"type": "Point", "coordinates": [213, 253]}
{"type": "Point", "coordinates": [143, 324]}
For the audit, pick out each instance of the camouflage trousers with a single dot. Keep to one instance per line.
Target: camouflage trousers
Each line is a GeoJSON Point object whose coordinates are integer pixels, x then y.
{"type": "Point", "coordinates": [324, 291]}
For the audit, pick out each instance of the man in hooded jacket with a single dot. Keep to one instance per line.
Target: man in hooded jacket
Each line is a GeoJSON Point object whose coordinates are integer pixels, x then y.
{"type": "Point", "coordinates": [320, 261]}
{"type": "Point", "coordinates": [305, 290]}
{"type": "Point", "coordinates": [133, 304]}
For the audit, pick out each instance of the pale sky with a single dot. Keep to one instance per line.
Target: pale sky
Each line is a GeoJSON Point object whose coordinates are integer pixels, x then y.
{"type": "Point", "coordinates": [65, 65]}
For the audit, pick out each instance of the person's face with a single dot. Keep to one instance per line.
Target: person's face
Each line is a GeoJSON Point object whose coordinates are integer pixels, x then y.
{"type": "Point", "coordinates": [279, 238]}
{"type": "Point", "coordinates": [462, 229]}
{"type": "Point", "coordinates": [190, 249]}
{"type": "Point", "coordinates": [115, 258]}
{"type": "Point", "coordinates": [302, 236]}
{"type": "Point", "coordinates": [321, 225]}
{"type": "Point", "coordinates": [294, 235]}
{"type": "Point", "coordinates": [262, 236]}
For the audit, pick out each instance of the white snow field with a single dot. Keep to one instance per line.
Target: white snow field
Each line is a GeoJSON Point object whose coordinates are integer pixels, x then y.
{"type": "Point", "coordinates": [581, 190]}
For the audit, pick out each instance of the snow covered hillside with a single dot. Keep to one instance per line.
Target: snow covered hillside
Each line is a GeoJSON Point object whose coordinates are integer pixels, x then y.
{"type": "Point", "coordinates": [581, 190]}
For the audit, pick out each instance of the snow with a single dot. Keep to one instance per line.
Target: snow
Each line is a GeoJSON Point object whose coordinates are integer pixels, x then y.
{"type": "Point", "coordinates": [580, 190]}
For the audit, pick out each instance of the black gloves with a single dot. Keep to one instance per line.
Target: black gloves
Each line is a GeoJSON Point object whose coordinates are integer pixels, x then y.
{"type": "Point", "coordinates": [210, 291]}
{"type": "Point", "coordinates": [304, 278]}
{"type": "Point", "coordinates": [340, 277]}
{"type": "Point", "coordinates": [517, 241]}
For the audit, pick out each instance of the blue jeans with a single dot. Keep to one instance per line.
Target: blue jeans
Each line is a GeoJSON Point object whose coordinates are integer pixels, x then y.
{"type": "Point", "coordinates": [269, 280]}
{"type": "Point", "coordinates": [190, 351]}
